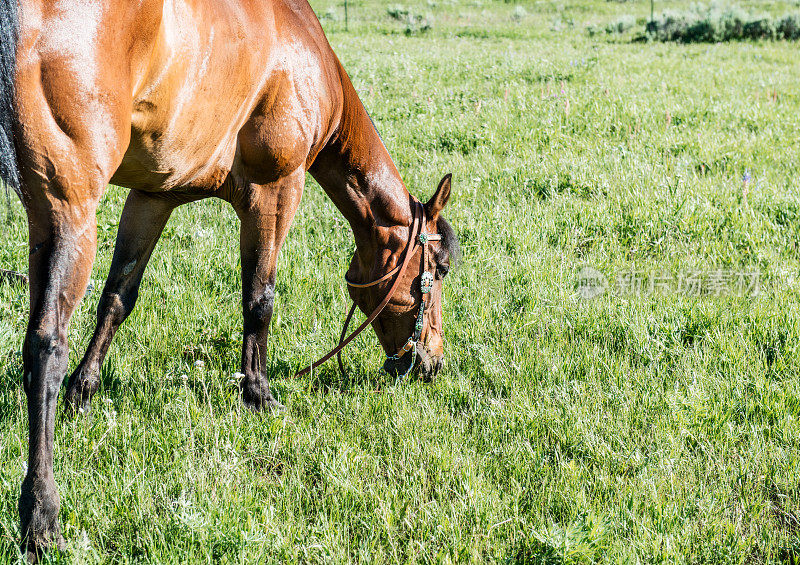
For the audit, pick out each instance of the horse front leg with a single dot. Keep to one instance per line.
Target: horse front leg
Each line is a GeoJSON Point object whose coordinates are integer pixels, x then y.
{"type": "Point", "coordinates": [143, 219]}
{"type": "Point", "coordinates": [62, 250]}
{"type": "Point", "coordinates": [266, 213]}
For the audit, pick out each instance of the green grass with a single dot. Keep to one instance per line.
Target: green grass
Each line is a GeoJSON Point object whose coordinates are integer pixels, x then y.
{"type": "Point", "coordinates": [652, 428]}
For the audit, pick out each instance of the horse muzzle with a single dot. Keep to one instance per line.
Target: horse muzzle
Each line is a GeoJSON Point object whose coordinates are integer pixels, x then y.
{"type": "Point", "coordinates": [421, 361]}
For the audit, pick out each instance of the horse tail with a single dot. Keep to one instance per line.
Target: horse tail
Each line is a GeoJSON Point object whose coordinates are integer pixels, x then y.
{"type": "Point", "coordinates": [9, 31]}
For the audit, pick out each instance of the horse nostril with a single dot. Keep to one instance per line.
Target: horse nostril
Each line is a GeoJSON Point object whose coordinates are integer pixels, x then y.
{"type": "Point", "coordinates": [430, 365]}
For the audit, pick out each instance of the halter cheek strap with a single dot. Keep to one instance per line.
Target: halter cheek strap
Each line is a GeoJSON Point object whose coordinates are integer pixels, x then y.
{"type": "Point", "coordinates": [425, 287]}
{"type": "Point", "coordinates": [417, 236]}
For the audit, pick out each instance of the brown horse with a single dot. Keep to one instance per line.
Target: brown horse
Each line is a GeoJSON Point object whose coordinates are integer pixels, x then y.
{"type": "Point", "coordinates": [180, 100]}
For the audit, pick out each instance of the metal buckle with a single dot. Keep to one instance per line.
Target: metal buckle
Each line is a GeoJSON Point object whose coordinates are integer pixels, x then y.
{"type": "Point", "coordinates": [423, 238]}
{"type": "Point", "coordinates": [426, 282]}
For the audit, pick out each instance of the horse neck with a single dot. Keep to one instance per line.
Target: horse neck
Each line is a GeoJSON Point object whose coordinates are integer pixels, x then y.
{"type": "Point", "coordinates": [359, 176]}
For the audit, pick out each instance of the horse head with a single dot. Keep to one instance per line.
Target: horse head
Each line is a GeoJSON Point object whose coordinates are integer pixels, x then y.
{"type": "Point", "coordinates": [409, 326]}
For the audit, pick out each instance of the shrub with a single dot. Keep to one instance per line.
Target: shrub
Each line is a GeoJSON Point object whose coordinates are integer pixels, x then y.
{"type": "Point", "coordinates": [789, 27]}
{"type": "Point", "coordinates": [710, 24]}
{"type": "Point", "coordinates": [397, 12]}
{"type": "Point", "coordinates": [763, 28]}
{"type": "Point", "coordinates": [621, 25]}
{"type": "Point", "coordinates": [519, 13]}
{"type": "Point", "coordinates": [414, 23]}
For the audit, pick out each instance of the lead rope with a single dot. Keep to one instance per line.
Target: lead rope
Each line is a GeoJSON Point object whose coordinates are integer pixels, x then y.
{"type": "Point", "coordinates": [341, 339]}
{"type": "Point", "coordinates": [413, 340]}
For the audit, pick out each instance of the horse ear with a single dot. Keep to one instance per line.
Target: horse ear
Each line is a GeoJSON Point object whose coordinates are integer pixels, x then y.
{"type": "Point", "coordinates": [439, 199]}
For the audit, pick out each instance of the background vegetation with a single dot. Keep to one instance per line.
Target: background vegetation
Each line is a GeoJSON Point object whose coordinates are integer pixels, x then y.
{"type": "Point", "coordinates": [651, 427]}
{"type": "Point", "coordinates": [716, 22]}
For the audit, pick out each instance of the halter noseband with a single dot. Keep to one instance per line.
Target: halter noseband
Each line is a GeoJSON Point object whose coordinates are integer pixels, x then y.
{"type": "Point", "coordinates": [417, 236]}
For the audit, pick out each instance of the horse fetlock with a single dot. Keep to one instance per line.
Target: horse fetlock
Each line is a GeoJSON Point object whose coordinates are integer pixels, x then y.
{"type": "Point", "coordinates": [38, 511]}
{"type": "Point", "coordinates": [83, 384]}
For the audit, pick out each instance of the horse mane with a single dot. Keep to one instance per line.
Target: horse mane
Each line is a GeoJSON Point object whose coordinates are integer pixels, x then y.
{"type": "Point", "coordinates": [450, 241]}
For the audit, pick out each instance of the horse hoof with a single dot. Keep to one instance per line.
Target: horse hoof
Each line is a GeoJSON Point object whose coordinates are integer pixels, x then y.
{"type": "Point", "coordinates": [264, 405]}
{"type": "Point", "coordinates": [38, 510]}
{"type": "Point", "coordinates": [275, 408]}
{"type": "Point", "coordinates": [272, 406]}
{"type": "Point", "coordinates": [257, 396]}
{"type": "Point", "coordinates": [81, 388]}
{"type": "Point", "coordinates": [75, 406]}
{"type": "Point", "coordinates": [34, 550]}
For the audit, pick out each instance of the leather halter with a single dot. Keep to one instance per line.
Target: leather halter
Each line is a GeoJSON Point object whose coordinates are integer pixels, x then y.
{"type": "Point", "coordinates": [417, 238]}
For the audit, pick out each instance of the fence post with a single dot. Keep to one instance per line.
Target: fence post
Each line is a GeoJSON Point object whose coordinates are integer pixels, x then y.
{"type": "Point", "coordinates": [345, 16]}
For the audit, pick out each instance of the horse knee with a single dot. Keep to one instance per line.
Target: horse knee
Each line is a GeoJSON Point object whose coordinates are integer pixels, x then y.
{"type": "Point", "coordinates": [45, 355]}
{"type": "Point", "coordinates": [44, 343]}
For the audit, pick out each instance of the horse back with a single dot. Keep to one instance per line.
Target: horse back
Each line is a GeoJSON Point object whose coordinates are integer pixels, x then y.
{"type": "Point", "coordinates": [172, 94]}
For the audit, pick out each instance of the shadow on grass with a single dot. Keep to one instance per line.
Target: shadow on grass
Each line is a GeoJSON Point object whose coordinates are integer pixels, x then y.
{"type": "Point", "coordinates": [110, 381]}
{"type": "Point", "coordinates": [281, 373]}
{"type": "Point", "coordinates": [11, 383]}
{"type": "Point", "coordinates": [536, 553]}
{"type": "Point", "coordinates": [354, 380]}
{"type": "Point", "coordinates": [327, 378]}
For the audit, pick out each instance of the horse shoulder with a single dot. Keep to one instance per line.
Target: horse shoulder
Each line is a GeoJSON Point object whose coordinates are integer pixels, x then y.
{"type": "Point", "coordinates": [293, 118]}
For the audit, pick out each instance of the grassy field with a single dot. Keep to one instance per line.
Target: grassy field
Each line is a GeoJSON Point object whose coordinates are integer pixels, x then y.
{"type": "Point", "coordinates": [649, 424]}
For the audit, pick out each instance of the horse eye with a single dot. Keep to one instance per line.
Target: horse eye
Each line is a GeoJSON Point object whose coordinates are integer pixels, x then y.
{"type": "Point", "coordinates": [442, 270]}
